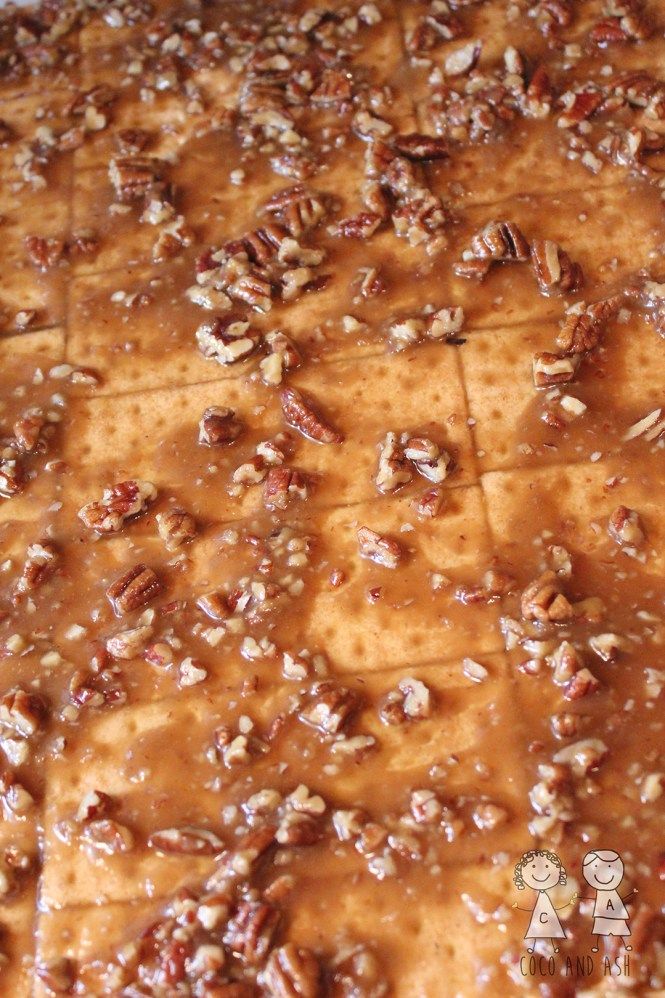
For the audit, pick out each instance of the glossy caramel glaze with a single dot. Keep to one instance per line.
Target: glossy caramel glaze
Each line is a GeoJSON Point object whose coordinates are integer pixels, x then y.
{"type": "Point", "coordinates": [332, 536]}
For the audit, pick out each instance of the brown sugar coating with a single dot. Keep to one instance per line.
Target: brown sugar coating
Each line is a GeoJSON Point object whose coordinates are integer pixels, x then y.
{"type": "Point", "coordinates": [332, 425]}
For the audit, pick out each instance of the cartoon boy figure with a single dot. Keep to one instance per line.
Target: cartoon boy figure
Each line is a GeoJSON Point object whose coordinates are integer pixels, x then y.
{"type": "Point", "coordinates": [542, 870]}
{"type": "Point", "coordinates": [603, 869]}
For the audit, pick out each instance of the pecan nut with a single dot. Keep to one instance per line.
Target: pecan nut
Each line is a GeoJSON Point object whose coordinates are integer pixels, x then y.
{"type": "Point", "coordinates": [44, 252]}
{"type": "Point", "coordinates": [500, 241]}
{"type": "Point", "coordinates": [282, 485]}
{"type": "Point", "coordinates": [176, 527]}
{"type": "Point", "coordinates": [418, 147]}
{"type": "Point", "coordinates": [119, 503]}
{"type": "Point", "coordinates": [544, 601]}
{"type": "Point", "coordinates": [555, 271]}
{"type": "Point", "coordinates": [219, 425]}
{"type": "Point", "coordinates": [133, 176]}
{"type": "Point", "coordinates": [22, 712]}
{"type": "Point", "coordinates": [39, 564]}
{"type": "Point", "coordinates": [250, 932]}
{"type": "Point", "coordinates": [301, 415]}
{"type": "Point", "coordinates": [625, 527]}
{"type": "Point", "coordinates": [578, 107]}
{"type": "Point", "coordinates": [186, 840]}
{"type": "Point", "coordinates": [330, 707]}
{"type": "Point", "coordinates": [28, 428]}
{"type": "Point", "coordinates": [134, 589]}
{"type": "Point", "coordinates": [552, 369]}
{"type": "Point", "coordinates": [378, 548]}
{"type": "Point", "coordinates": [107, 836]}
{"type": "Point", "coordinates": [291, 971]}
{"type": "Point", "coordinates": [227, 339]}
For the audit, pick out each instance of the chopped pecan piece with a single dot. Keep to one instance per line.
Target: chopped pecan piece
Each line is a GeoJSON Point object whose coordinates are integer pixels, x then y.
{"type": "Point", "coordinates": [544, 601]}
{"type": "Point", "coordinates": [566, 662]}
{"type": "Point", "coordinates": [500, 241]}
{"type": "Point", "coordinates": [187, 840]}
{"type": "Point", "coordinates": [28, 428]}
{"type": "Point", "coordinates": [172, 238]}
{"type": "Point", "coordinates": [360, 226]}
{"type": "Point", "coordinates": [219, 425]}
{"type": "Point", "coordinates": [283, 484]}
{"type": "Point", "coordinates": [443, 26]}
{"type": "Point", "coordinates": [378, 548]}
{"type": "Point", "coordinates": [462, 60]}
{"type": "Point", "coordinates": [335, 88]}
{"type": "Point", "coordinates": [583, 757]}
{"type": "Point", "coordinates": [552, 369]}
{"type": "Point", "coordinates": [16, 800]}
{"type": "Point", "coordinates": [44, 252]}
{"type": "Point", "coordinates": [250, 932]}
{"type": "Point", "coordinates": [119, 503]}
{"type": "Point", "coordinates": [565, 725]}
{"type": "Point", "coordinates": [579, 334]}
{"type": "Point", "coordinates": [330, 707]}
{"type": "Point", "coordinates": [83, 243]}
{"type": "Point", "coordinates": [95, 804]}
{"type": "Point", "coordinates": [176, 527]}
{"type": "Point", "coordinates": [539, 93]}
{"type": "Point", "coordinates": [291, 971]}
{"type": "Point", "coordinates": [241, 861]}
{"type": "Point", "coordinates": [472, 270]}
{"type": "Point", "coordinates": [404, 332]}
{"type": "Point", "coordinates": [578, 107]}
{"type": "Point", "coordinates": [133, 176]}
{"type": "Point", "coordinates": [582, 684]}
{"type": "Point", "coordinates": [22, 712]}
{"type": "Point", "coordinates": [495, 585]}
{"type": "Point", "coordinates": [429, 504]}
{"type": "Point", "coordinates": [581, 331]}
{"type": "Point", "coordinates": [283, 356]}
{"type": "Point", "coordinates": [418, 147]}
{"type": "Point", "coordinates": [555, 271]}
{"type": "Point", "coordinates": [99, 96]}
{"type": "Point", "coordinates": [130, 643]}
{"type": "Point", "coordinates": [12, 473]}
{"type": "Point", "coordinates": [446, 323]}
{"type": "Point", "coordinates": [227, 339]}
{"type": "Point", "coordinates": [134, 589]}
{"type": "Point", "coordinates": [553, 14]}
{"type": "Point", "coordinates": [107, 836]}
{"type": "Point", "coordinates": [625, 527]}
{"type": "Point", "coordinates": [299, 208]}
{"type": "Point", "coordinates": [132, 141]}
{"type": "Point", "coordinates": [253, 288]}
{"type": "Point", "coordinates": [299, 413]}
{"type": "Point", "coordinates": [39, 564]}
{"type": "Point", "coordinates": [214, 605]}
{"type": "Point", "coordinates": [411, 701]}
{"type": "Point", "coordinates": [650, 427]}
{"type": "Point", "coordinates": [626, 22]}
{"type": "Point", "coordinates": [393, 470]}
{"type": "Point", "coordinates": [293, 165]}
{"type": "Point", "coordinates": [429, 460]}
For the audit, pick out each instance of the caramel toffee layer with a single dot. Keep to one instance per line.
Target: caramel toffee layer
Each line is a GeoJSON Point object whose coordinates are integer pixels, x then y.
{"type": "Point", "coordinates": [331, 474]}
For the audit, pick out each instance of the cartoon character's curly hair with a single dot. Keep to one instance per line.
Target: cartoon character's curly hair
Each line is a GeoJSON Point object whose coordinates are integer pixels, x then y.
{"type": "Point", "coordinates": [518, 879]}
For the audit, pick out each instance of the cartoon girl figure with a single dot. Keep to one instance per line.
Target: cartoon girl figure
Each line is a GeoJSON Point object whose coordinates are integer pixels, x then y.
{"type": "Point", "coordinates": [542, 870]}
{"type": "Point", "coordinates": [603, 869]}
